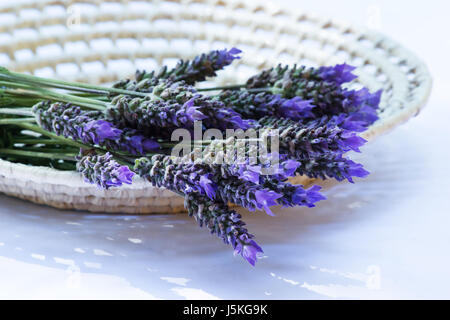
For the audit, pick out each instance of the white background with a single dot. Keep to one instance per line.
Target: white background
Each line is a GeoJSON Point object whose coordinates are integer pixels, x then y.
{"type": "Point", "coordinates": [387, 236]}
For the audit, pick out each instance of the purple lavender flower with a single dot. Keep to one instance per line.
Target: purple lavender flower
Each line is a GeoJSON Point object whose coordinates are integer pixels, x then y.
{"type": "Point", "coordinates": [138, 144]}
{"type": "Point", "coordinates": [87, 126]}
{"type": "Point", "coordinates": [339, 74]}
{"type": "Point", "coordinates": [162, 171]}
{"type": "Point", "coordinates": [308, 197]}
{"type": "Point", "coordinates": [150, 116]}
{"type": "Point", "coordinates": [208, 186]}
{"type": "Point", "coordinates": [268, 191]}
{"type": "Point", "coordinates": [257, 105]}
{"type": "Point", "coordinates": [225, 57]}
{"type": "Point", "coordinates": [362, 106]}
{"type": "Point", "coordinates": [334, 166]}
{"type": "Point", "coordinates": [97, 131]}
{"type": "Point", "coordinates": [192, 71]}
{"type": "Point", "coordinates": [132, 142]}
{"type": "Point", "coordinates": [103, 171]}
{"type": "Point", "coordinates": [218, 116]}
{"type": "Point", "coordinates": [249, 173]}
{"type": "Point", "coordinates": [354, 170]}
{"type": "Point", "coordinates": [321, 87]}
{"type": "Point", "coordinates": [293, 195]}
{"type": "Point", "coordinates": [254, 196]}
{"type": "Point", "coordinates": [296, 109]}
{"type": "Point", "coordinates": [266, 199]}
{"type": "Point", "coordinates": [283, 77]}
{"type": "Point", "coordinates": [191, 111]}
{"type": "Point", "coordinates": [312, 139]}
{"type": "Point", "coordinates": [225, 223]}
{"type": "Point", "coordinates": [248, 249]}
{"type": "Point", "coordinates": [288, 168]}
{"type": "Point", "coordinates": [124, 175]}
{"type": "Point", "coordinates": [173, 105]}
{"type": "Point", "coordinates": [189, 71]}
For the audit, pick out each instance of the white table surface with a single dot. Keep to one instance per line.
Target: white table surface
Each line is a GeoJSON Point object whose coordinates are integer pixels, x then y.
{"type": "Point", "coordinates": [387, 236]}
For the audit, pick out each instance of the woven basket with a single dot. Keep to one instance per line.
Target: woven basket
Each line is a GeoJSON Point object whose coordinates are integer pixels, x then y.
{"type": "Point", "coordinates": [101, 42]}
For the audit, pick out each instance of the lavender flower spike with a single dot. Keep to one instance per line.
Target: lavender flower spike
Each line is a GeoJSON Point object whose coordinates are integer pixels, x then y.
{"type": "Point", "coordinates": [103, 170]}
{"type": "Point", "coordinates": [339, 74]}
{"type": "Point", "coordinates": [87, 126]}
{"type": "Point", "coordinates": [257, 105]}
{"type": "Point", "coordinates": [195, 70]}
{"type": "Point", "coordinates": [162, 171]}
{"type": "Point", "coordinates": [313, 139]}
{"type": "Point", "coordinates": [334, 166]}
{"type": "Point", "coordinates": [225, 223]}
{"type": "Point", "coordinates": [322, 87]}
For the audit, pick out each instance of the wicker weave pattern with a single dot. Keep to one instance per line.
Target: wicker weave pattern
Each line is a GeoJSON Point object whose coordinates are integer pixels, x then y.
{"type": "Point", "coordinates": [161, 30]}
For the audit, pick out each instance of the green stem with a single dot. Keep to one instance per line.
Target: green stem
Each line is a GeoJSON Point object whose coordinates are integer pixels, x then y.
{"type": "Point", "coordinates": [256, 90]}
{"type": "Point", "coordinates": [55, 139]}
{"type": "Point", "coordinates": [53, 136]}
{"type": "Point", "coordinates": [122, 160]}
{"type": "Point", "coordinates": [102, 97]}
{"type": "Point", "coordinates": [16, 121]}
{"type": "Point", "coordinates": [237, 87]}
{"type": "Point", "coordinates": [16, 85]}
{"type": "Point", "coordinates": [74, 86]}
{"type": "Point", "coordinates": [228, 87]}
{"type": "Point", "coordinates": [63, 140]}
{"type": "Point", "coordinates": [51, 95]}
{"type": "Point", "coordinates": [16, 111]}
{"type": "Point", "coordinates": [8, 101]}
{"type": "Point", "coordinates": [33, 154]}
{"type": "Point", "coordinates": [50, 150]}
{"type": "Point", "coordinates": [81, 101]}
{"type": "Point", "coordinates": [36, 141]}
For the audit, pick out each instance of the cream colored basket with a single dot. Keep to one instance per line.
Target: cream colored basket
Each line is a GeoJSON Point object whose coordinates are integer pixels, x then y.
{"type": "Point", "coordinates": [97, 41]}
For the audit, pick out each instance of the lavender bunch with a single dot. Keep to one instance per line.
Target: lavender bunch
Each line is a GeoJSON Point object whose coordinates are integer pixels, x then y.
{"type": "Point", "coordinates": [316, 116]}
{"type": "Point", "coordinates": [103, 170]}
{"type": "Point", "coordinates": [224, 223]}
{"type": "Point", "coordinates": [189, 71]}
{"type": "Point", "coordinates": [87, 126]}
